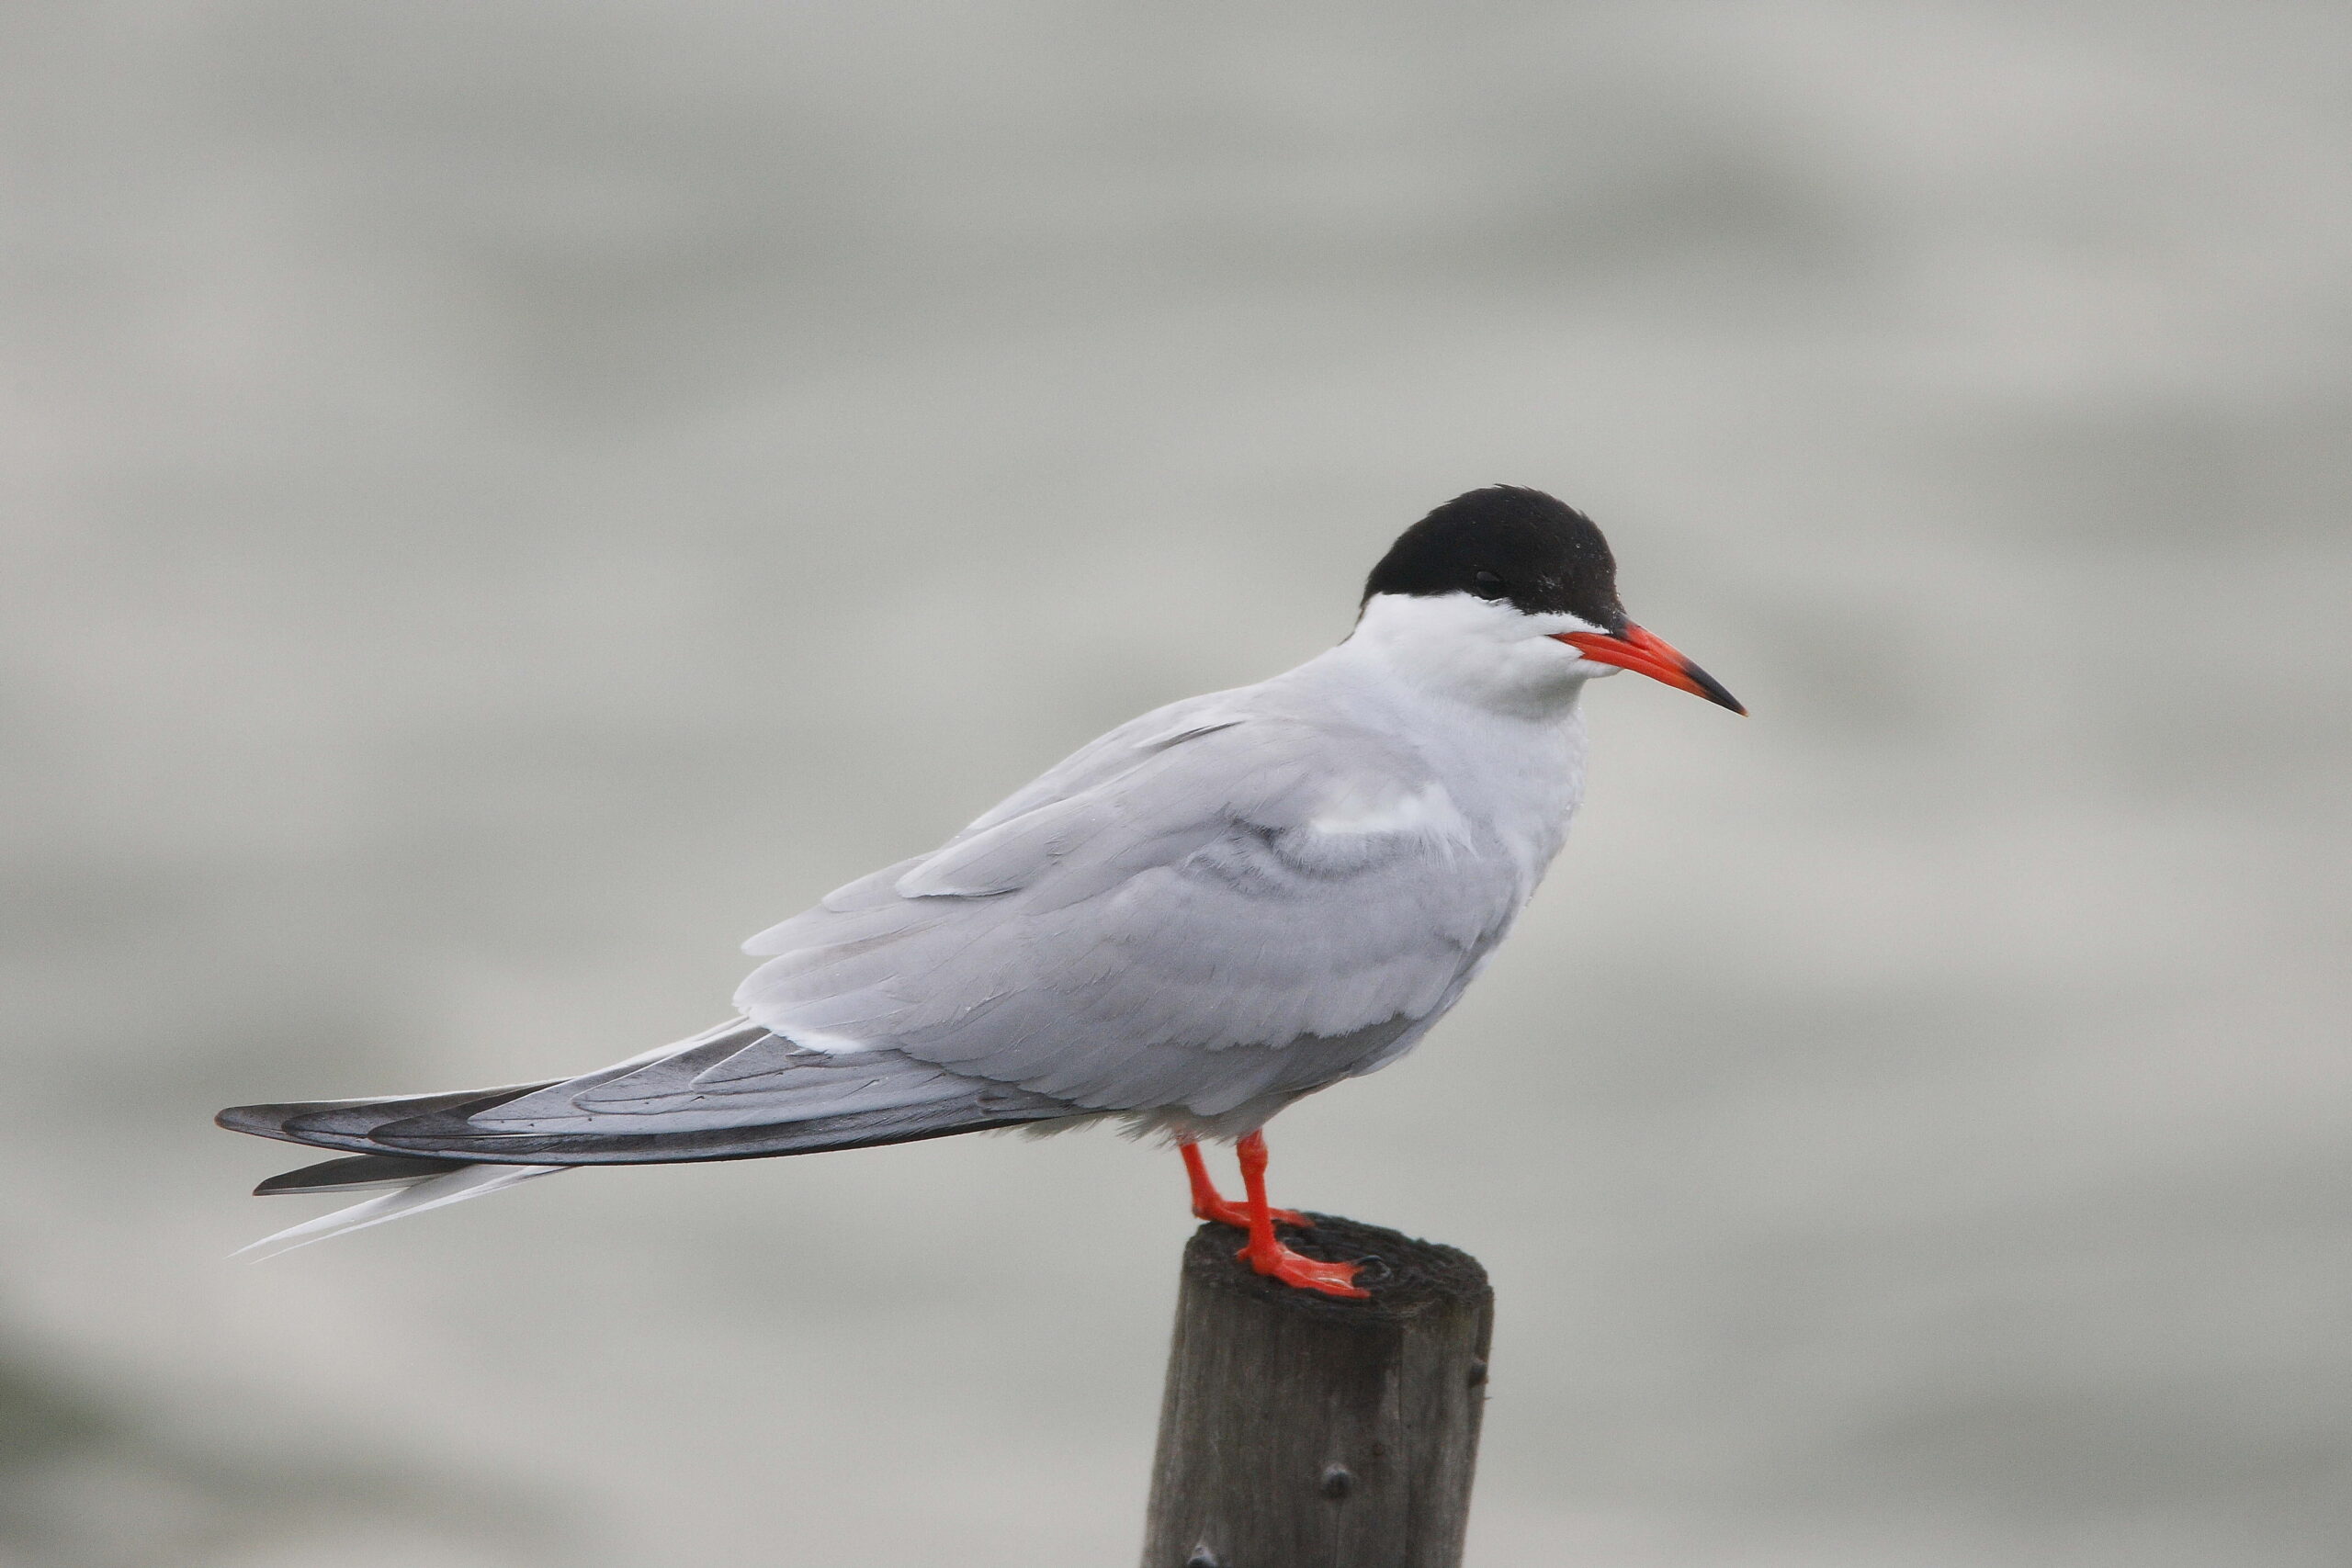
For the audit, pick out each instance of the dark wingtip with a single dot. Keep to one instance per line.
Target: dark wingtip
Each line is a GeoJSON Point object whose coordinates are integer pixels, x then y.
{"type": "Point", "coordinates": [263, 1121]}
{"type": "Point", "coordinates": [357, 1172]}
{"type": "Point", "coordinates": [337, 1124]}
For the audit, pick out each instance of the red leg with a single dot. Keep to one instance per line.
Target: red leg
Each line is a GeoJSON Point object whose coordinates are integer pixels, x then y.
{"type": "Point", "coordinates": [1268, 1255]}
{"type": "Point", "coordinates": [1208, 1203]}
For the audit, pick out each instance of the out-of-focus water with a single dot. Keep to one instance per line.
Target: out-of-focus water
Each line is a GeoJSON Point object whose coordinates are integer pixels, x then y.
{"type": "Point", "coordinates": [503, 501]}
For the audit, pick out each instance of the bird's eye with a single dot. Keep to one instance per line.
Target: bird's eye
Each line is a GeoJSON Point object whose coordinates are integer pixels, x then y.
{"type": "Point", "coordinates": [1486, 585]}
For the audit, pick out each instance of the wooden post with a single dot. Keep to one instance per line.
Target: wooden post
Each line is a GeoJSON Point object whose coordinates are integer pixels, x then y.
{"type": "Point", "coordinates": [1300, 1430]}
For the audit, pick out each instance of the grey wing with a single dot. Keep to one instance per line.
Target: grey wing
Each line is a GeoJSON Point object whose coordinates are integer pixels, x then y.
{"type": "Point", "coordinates": [733, 1092]}
{"type": "Point", "coordinates": [1193, 916]}
{"type": "Point", "coordinates": [736, 1091]}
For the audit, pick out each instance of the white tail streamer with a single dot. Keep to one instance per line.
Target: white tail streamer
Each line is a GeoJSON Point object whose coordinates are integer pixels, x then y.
{"type": "Point", "coordinates": [433, 1192]}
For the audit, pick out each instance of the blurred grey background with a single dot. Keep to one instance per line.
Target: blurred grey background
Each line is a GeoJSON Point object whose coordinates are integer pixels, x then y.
{"type": "Point", "coordinates": [504, 500]}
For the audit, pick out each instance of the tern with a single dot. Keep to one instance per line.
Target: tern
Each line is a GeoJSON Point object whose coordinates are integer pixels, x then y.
{"type": "Point", "coordinates": [1213, 910]}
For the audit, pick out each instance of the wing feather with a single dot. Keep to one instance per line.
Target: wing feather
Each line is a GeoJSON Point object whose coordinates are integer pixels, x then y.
{"type": "Point", "coordinates": [1169, 919]}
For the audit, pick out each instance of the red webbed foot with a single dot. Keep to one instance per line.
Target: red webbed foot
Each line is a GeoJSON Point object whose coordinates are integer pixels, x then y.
{"type": "Point", "coordinates": [1305, 1273]}
{"type": "Point", "coordinates": [1265, 1253]}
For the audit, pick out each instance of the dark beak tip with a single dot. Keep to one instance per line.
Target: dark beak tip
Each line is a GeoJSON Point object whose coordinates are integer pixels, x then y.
{"type": "Point", "coordinates": [1714, 690]}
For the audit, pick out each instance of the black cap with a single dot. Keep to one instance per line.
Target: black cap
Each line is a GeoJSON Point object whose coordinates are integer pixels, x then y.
{"type": "Point", "coordinates": [1504, 542]}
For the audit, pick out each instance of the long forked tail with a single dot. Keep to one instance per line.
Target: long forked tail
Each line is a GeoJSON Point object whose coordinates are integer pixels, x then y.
{"type": "Point", "coordinates": [411, 1192]}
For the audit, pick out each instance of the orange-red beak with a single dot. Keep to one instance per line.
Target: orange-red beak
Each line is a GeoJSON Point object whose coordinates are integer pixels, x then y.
{"type": "Point", "coordinates": [1646, 655]}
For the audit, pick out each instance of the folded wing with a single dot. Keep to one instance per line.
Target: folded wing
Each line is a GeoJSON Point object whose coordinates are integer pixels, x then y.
{"type": "Point", "coordinates": [1201, 911]}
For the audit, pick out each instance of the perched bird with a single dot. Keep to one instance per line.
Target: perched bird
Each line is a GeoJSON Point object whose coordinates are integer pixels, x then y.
{"type": "Point", "coordinates": [1211, 911]}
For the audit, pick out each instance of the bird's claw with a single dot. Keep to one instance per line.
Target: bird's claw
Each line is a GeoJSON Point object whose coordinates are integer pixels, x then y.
{"type": "Point", "coordinates": [1297, 1270]}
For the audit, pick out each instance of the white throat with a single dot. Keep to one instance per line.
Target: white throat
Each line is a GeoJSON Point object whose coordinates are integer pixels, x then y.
{"type": "Point", "coordinates": [1486, 653]}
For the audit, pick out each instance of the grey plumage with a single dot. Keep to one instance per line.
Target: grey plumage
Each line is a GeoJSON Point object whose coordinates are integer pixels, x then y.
{"type": "Point", "coordinates": [1207, 913]}
{"type": "Point", "coordinates": [1160, 927]}
{"type": "Point", "coordinates": [808, 1104]}
{"type": "Point", "coordinates": [1189, 924]}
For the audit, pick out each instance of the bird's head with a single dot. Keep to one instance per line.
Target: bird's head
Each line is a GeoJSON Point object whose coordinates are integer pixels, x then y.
{"type": "Point", "coordinates": [1509, 598]}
